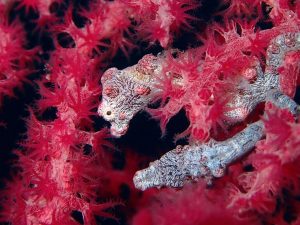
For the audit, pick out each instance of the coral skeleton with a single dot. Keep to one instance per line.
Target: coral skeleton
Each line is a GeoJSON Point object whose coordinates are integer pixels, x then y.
{"type": "Point", "coordinates": [126, 92]}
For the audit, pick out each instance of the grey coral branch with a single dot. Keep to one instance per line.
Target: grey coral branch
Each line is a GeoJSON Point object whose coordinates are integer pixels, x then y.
{"type": "Point", "coordinates": [209, 160]}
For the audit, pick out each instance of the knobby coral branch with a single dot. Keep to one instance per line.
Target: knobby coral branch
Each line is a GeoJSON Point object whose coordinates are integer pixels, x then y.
{"type": "Point", "coordinates": [209, 160]}
{"type": "Point", "coordinates": [194, 161]}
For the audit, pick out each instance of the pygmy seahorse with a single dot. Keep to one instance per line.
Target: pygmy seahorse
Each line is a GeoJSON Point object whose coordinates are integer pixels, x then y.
{"type": "Point", "coordinates": [126, 92]}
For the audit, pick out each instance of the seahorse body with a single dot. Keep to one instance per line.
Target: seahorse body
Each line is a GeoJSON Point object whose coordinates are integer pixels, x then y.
{"type": "Point", "coordinates": [126, 92]}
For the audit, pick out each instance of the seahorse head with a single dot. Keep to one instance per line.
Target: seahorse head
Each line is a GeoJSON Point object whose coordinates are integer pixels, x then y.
{"type": "Point", "coordinates": [123, 95]}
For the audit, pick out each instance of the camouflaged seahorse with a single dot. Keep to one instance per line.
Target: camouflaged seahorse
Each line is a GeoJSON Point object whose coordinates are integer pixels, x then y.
{"type": "Point", "coordinates": [126, 92]}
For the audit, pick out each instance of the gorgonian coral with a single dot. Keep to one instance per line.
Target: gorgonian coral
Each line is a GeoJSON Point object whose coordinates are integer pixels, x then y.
{"type": "Point", "coordinates": [218, 64]}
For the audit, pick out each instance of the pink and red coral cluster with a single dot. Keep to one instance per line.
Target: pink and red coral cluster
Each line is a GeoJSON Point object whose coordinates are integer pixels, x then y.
{"type": "Point", "coordinates": [15, 59]}
{"type": "Point", "coordinates": [66, 170]}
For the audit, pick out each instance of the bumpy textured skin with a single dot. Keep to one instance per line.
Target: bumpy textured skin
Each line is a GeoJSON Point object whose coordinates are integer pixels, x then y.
{"type": "Point", "coordinates": [126, 92]}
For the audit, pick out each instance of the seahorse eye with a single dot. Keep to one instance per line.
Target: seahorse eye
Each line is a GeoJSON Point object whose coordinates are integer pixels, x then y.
{"type": "Point", "coordinates": [107, 112]}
